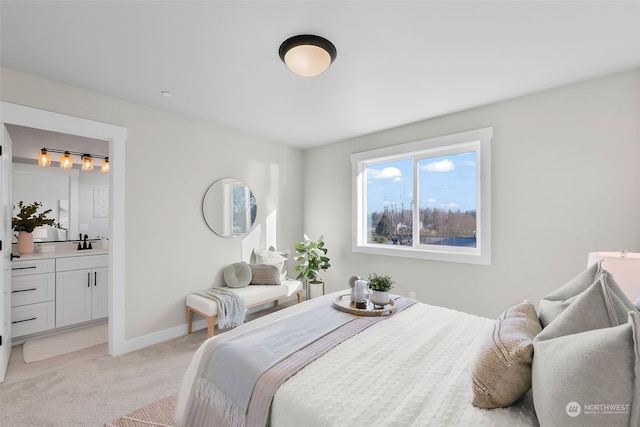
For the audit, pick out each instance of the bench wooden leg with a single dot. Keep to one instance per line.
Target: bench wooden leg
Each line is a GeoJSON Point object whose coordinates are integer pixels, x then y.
{"type": "Point", "coordinates": [211, 321]}
{"type": "Point", "coordinates": [299, 293]}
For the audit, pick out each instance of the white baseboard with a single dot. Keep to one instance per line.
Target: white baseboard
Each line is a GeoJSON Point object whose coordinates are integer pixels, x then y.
{"type": "Point", "coordinates": [160, 336]}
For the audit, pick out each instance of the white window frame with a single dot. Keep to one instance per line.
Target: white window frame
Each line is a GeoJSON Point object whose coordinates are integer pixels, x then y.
{"type": "Point", "coordinates": [478, 140]}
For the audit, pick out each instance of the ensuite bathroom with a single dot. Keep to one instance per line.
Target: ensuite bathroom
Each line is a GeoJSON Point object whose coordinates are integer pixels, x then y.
{"type": "Point", "coordinates": [59, 281]}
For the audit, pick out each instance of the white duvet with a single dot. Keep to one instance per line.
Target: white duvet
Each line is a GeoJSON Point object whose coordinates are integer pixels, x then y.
{"type": "Point", "coordinates": [412, 369]}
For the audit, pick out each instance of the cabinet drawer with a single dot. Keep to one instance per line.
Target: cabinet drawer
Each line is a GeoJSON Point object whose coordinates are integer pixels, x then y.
{"type": "Point", "coordinates": [32, 318]}
{"type": "Point", "coordinates": [33, 289]}
{"type": "Point", "coordinates": [81, 262]}
{"type": "Point", "coordinates": [23, 268]}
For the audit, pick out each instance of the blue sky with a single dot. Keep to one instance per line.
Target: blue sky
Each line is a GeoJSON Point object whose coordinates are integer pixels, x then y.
{"type": "Point", "coordinates": [446, 182]}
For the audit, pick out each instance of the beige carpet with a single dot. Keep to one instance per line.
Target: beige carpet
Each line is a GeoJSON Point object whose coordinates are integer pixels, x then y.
{"type": "Point", "coordinates": [66, 342]}
{"type": "Point", "coordinates": [158, 414]}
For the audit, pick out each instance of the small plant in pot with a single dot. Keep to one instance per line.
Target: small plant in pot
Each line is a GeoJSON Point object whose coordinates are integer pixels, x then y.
{"type": "Point", "coordinates": [314, 258]}
{"type": "Point", "coordinates": [380, 286]}
{"type": "Point", "coordinates": [26, 221]}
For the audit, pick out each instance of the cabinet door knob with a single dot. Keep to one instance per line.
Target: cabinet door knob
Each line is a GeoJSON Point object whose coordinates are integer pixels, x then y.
{"type": "Point", "coordinates": [95, 278]}
{"type": "Point", "coordinates": [88, 280]}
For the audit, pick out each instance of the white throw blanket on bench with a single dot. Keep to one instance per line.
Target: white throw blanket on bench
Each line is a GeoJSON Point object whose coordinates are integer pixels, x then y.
{"type": "Point", "coordinates": [231, 307]}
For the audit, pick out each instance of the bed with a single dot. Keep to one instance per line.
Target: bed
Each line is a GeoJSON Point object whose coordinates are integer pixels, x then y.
{"type": "Point", "coordinates": [573, 361]}
{"type": "Point", "coordinates": [410, 369]}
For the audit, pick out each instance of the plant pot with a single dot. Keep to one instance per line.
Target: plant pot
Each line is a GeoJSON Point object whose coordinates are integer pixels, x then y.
{"type": "Point", "coordinates": [316, 288]}
{"type": "Point", "coordinates": [379, 297]}
{"type": "Point", "coordinates": [25, 243]}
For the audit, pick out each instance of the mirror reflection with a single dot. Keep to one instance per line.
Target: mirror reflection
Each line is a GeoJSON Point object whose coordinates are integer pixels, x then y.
{"type": "Point", "coordinates": [79, 200]}
{"type": "Point", "coordinates": [229, 207]}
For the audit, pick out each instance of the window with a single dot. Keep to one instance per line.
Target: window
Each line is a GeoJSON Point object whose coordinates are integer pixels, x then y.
{"type": "Point", "coordinates": [427, 199]}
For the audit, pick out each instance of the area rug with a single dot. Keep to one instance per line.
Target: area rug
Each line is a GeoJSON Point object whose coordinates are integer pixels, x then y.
{"type": "Point", "coordinates": [158, 414]}
{"type": "Point", "coordinates": [66, 342]}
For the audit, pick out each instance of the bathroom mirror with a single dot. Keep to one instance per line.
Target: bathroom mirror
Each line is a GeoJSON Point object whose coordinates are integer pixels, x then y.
{"type": "Point", "coordinates": [229, 208]}
{"type": "Point", "coordinates": [78, 200]}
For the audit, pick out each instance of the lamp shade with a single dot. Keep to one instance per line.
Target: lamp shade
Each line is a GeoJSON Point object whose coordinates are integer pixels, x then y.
{"type": "Point", "coordinates": [625, 268]}
{"type": "Point", "coordinates": [307, 55]}
{"type": "Point", "coordinates": [66, 161]}
{"type": "Point", "coordinates": [87, 162]}
{"type": "Point", "coordinates": [44, 159]}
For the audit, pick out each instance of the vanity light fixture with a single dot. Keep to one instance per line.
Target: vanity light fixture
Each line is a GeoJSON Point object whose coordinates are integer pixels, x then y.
{"type": "Point", "coordinates": [307, 55]}
{"type": "Point", "coordinates": [87, 162]}
{"type": "Point", "coordinates": [66, 159]}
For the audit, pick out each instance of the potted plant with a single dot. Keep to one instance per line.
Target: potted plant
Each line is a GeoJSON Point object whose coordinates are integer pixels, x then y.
{"type": "Point", "coordinates": [313, 256]}
{"type": "Point", "coordinates": [380, 287]}
{"type": "Point", "coordinates": [26, 221]}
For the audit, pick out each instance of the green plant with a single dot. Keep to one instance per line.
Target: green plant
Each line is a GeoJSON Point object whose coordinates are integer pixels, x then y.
{"type": "Point", "coordinates": [380, 283]}
{"type": "Point", "coordinates": [314, 258]}
{"type": "Point", "coordinates": [28, 218]}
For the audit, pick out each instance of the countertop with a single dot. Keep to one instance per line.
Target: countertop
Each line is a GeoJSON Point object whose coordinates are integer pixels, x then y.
{"type": "Point", "coordinates": [62, 254]}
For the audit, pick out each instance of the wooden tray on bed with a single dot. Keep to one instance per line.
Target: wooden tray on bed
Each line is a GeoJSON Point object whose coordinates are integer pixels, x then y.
{"type": "Point", "coordinates": [343, 303]}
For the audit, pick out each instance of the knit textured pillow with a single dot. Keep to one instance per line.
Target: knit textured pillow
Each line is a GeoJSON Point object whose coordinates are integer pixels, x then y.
{"type": "Point", "coordinates": [502, 370]}
{"type": "Point", "coordinates": [263, 274]}
{"type": "Point", "coordinates": [272, 257]}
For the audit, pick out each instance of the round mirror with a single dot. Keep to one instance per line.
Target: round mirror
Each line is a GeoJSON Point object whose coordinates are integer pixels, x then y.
{"type": "Point", "coordinates": [229, 208]}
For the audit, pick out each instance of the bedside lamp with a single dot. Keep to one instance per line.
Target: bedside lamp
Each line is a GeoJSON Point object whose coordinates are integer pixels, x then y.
{"type": "Point", "coordinates": [625, 268]}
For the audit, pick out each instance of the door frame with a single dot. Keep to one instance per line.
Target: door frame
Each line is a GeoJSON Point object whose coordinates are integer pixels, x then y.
{"type": "Point", "coordinates": [116, 137]}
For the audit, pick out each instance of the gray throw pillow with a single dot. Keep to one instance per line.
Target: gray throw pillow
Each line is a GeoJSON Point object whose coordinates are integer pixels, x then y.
{"type": "Point", "coordinates": [557, 301]}
{"type": "Point", "coordinates": [237, 275]}
{"type": "Point", "coordinates": [601, 305]}
{"type": "Point", "coordinates": [590, 378]}
{"type": "Point", "coordinates": [502, 369]}
{"type": "Point", "coordinates": [264, 274]}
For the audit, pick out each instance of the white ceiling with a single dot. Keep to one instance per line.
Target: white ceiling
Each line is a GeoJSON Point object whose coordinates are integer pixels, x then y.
{"type": "Point", "coordinates": [398, 62]}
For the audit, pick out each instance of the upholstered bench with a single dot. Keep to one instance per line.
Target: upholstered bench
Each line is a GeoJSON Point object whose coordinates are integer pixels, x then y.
{"type": "Point", "coordinates": [253, 295]}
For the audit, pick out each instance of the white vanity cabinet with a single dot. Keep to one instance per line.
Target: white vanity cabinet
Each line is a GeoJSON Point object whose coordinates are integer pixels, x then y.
{"type": "Point", "coordinates": [82, 289]}
{"type": "Point", "coordinates": [32, 296]}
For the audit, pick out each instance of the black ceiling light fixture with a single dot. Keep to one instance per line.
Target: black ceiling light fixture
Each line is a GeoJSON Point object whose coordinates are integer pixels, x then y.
{"type": "Point", "coordinates": [307, 55]}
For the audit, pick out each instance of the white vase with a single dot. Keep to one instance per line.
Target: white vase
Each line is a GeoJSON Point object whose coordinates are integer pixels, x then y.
{"type": "Point", "coordinates": [25, 243]}
{"type": "Point", "coordinates": [380, 297]}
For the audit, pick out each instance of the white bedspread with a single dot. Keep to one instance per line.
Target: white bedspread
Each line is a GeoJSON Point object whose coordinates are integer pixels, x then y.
{"type": "Point", "coordinates": [427, 353]}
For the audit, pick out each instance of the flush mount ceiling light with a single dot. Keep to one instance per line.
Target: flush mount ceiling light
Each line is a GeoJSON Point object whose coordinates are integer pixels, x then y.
{"type": "Point", "coordinates": [307, 55]}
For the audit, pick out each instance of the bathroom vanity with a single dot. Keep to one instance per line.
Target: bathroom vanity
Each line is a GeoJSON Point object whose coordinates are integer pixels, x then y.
{"type": "Point", "coordinates": [58, 289]}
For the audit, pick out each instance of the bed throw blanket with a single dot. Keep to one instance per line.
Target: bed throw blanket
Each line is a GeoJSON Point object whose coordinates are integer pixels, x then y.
{"type": "Point", "coordinates": [236, 382]}
{"type": "Point", "coordinates": [231, 307]}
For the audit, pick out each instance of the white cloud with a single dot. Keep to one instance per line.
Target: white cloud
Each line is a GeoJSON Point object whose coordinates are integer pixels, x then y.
{"type": "Point", "coordinates": [387, 173]}
{"type": "Point", "coordinates": [444, 165]}
{"type": "Point", "coordinates": [453, 206]}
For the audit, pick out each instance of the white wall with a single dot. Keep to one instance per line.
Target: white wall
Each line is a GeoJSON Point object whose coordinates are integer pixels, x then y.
{"type": "Point", "coordinates": [88, 222]}
{"type": "Point", "coordinates": [565, 181]}
{"type": "Point", "coordinates": [171, 160]}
